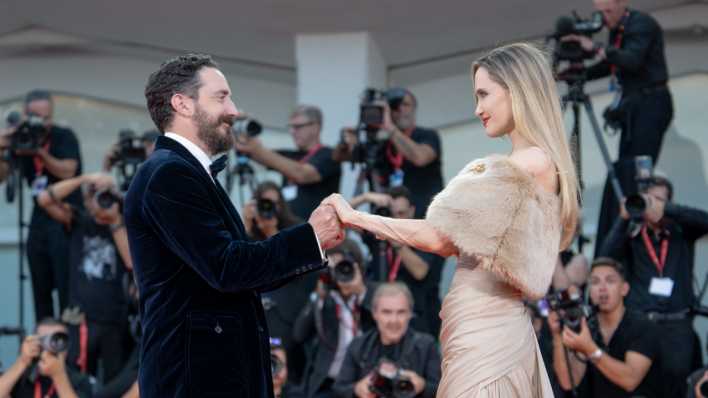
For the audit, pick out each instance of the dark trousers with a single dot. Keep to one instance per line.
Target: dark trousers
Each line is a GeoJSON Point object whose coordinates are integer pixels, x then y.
{"type": "Point", "coordinates": [123, 381]}
{"type": "Point", "coordinates": [643, 131]}
{"type": "Point", "coordinates": [48, 257]}
{"type": "Point", "coordinates": [678, 355]}
{"type": "Point", "coordinates": [107, 343]}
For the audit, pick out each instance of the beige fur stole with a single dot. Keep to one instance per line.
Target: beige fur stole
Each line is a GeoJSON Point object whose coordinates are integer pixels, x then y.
{"type": "Point", "coordinates": [496, 212]}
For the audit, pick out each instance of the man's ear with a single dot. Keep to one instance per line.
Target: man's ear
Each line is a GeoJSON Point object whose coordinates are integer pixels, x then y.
{"type": "Point", "coordinates": [182, 104]}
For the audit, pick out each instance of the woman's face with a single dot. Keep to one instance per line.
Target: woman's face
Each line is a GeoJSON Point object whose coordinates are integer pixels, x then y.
{"type": "Point", "coordinates": [493, 105]}
{"type": "Point", "coordinates": [269, 223]}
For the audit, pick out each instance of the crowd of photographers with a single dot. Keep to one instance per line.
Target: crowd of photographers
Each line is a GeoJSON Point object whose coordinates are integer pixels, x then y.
{"type": "Point", "coordinates": [618, 326]}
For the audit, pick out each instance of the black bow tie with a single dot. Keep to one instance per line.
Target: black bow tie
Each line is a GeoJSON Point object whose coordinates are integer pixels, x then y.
{"type": "Point", "coordinates": [219, 164]}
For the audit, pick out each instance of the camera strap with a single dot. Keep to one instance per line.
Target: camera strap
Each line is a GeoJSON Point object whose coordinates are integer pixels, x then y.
{"type": "Point", "coordinates": [354, 311]}
{"type": "Point", "coordinates": [658, 262]}
{"type": "Point", "coordinates": [38, 162]}
{"type": "Point", "coordinates": [312, 152]}
{"type": "Point", "coordinates": [618, 43]}
{"type": "Point", "coordinates": [38, 390]}
{"type": "Point", "coordinates": [82, 361]}
{"type": "Point", "coordinates": [393, 263]}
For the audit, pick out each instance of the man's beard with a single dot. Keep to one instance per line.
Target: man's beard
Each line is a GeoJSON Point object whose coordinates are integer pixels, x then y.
{"type": "Point", "coordinates": [208, 131]}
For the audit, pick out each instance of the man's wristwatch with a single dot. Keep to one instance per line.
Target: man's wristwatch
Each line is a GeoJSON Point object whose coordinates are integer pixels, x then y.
{"type": "Point", "coordinates": [596, 355]}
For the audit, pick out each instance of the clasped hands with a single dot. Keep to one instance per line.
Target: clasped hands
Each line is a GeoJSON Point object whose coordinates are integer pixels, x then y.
{"type": "Point", "coordinates": [330, 219]}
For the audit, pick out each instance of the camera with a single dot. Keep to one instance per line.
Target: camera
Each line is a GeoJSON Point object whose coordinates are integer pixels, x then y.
{"type": "Point", "coordinates": [572, 306]}
{"type": "Point", "coordinates": [29, 135]}
{"type": "Point", "coordinates": [635, 204]}
{"type": "Point", "coordinates": [266, 208]}
{"type": "Point", "coordinates": [574, 25]}
{"type": "Point", "coordinates": [55, 342]}
{"type": "Point", "coordinates": [342, 272]}
{"type": "Point", "coordinates": [106, 198]}
{"type": "Point", "coordinates": [371, 112]}
{"type": "Point", "coordinates": [129, 154]}
{"type": "Point", "coordinates": [246, 126]}
{"type": "Point", "coordinates": [387, 381]}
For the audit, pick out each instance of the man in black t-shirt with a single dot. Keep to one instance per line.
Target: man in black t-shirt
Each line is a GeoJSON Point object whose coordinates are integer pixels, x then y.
{"type": "Point", "coordinates": [309, 173]}
{"type": "Point", "coordinates": [57, 158]}
{"type": "Point", "coordinates": [42, 371]}
{"type": "Point", "coordinates": [621, 355]}
{"type": "Point", "coordinates": [420, 271]}
{"type": "Point", "coordinates": [99, 258]}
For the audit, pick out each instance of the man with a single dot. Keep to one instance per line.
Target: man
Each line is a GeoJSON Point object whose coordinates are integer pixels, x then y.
{"type": "Point", "coordinates": [41, 369]}
{"type": "Point", "coordinates": [634, 60]}
{"type": "Point", "coordinates": [309, 173]}
{"type": "Point", "coordinates": [420, 271]}
{"type": "Point", "coordinates": [660, 260]}
{"type": "Point", "coordinates": [622, 360]}
{"type": "Point", "coordinates": [204, 331]}
{"type": "Point", "coordinates": [412, 153]}
{"type": "Point", "coordinates": [282, 387]}
{"type": "Point", "coordinates": [334, 319]}
{"type": "Point", "coordinates": [99, 258]}
{"type": "Point", "coordinates": [415, 354]}
{"type": "Point", "coordinates": [57, 158]}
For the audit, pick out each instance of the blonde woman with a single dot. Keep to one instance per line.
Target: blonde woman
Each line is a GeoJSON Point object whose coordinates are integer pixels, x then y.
{"type": "Point", "coordinates": [506, 218]}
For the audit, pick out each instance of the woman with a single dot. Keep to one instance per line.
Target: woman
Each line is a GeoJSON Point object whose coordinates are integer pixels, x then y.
{"type": "Point", "coordinates": [506, 217]}
{"type": "Point", "coordinates": [264, 224]}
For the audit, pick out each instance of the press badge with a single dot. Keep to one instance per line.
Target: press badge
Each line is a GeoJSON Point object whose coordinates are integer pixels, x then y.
{"type": "Point", "coordinates": [39, 184]}
{"type": "Point", "coordinates": [289, 192]}
{"type": "Point", "coordinates": [661, 287]}
{"type": "Point", "coordinates": [396, 178]}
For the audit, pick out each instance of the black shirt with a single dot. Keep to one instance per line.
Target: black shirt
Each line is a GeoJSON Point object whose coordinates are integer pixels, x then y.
{"type": "Point", "coordinates": [309, 196]}
{"type": "Point", "coordinates": [62, 145]}
{"type": "Point", "coordinates": [25, 388]}
{"type": "Point", "coordinates": [684, 226]}
{"type": "Point", "coordinates": [640, 60]}
{"type": "Point", "coordinates": [97, 272]}
{"type": "Point", "coordinates": [633, 334]}
{"type": "Point", "coordinates": [424, 182]}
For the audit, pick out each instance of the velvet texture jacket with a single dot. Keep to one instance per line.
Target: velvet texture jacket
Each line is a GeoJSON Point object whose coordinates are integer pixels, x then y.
{"type": "Point", "coordinates": [199, 278]}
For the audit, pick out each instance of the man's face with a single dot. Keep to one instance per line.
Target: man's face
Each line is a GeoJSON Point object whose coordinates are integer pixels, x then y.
{"type": "Point", "coordinates": [404, 116]}
{"type": "Point", "coordinates": [392, 314]}
{"type": "Point", "coordinates": [612, 11]}
{"type": "Point", "coordinates": [305, 132]}
{"type": "Point", "coordinates": [41, 108]}
{"type": "Point", "coordinates": [214, 111]}
{"type": "Point", "coordinates": [402, 208]}
{"type": "Point", "coordinates": [607, 288]}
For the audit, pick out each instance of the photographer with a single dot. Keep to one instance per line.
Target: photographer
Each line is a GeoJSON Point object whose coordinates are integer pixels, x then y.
{"type": "Point", "coordinates": [41, 369]}
{"type": "Point", "coordinates": [310, 174]}
{"type": "Point", "coordinates": [99, 257]}
{"type": "Point", "coordinates": [619, 355]}
{"type": "Point", "coordinates": [44, 153]}
{"type": "Point", "coordinates": [634, 60]}
{"type": "Point", "coordinates": [412, 154]}
{"type": "Point", "coordinates": [659, 253]}
{"type": "Point", "coordinates": [279, 368]}
{"type": "Point", "coordinates": [340, 312]}
{"type": "Point", "coordinates": [415, 355]}
{"type": "Point", "coordinates": [420, 271]}
{"type": "Point", "coordinates": [264, 216]}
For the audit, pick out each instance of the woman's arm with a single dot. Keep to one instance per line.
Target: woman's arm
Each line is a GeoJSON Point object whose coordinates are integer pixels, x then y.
{"type": "Point", "coordinates": [414, 233]}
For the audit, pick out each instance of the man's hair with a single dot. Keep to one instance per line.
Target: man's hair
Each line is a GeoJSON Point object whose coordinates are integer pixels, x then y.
{"type": "Point", "coordinates": [348, 248]}
{"type": "Point", "coordinates": [392, 289]}
{"type": "Point", "coordinates": [661, 181]}
{"type": "Point", "coordinates": [609, 262]}
{"type": "Point", "coordinates": [176, 75]}
{"type": "Point", "coordinates": [311, 112]}
{"type": "Point", "coordinates": [400, 192]}
{"type": "Point", "coordinates": [38, 95]}
{"type": "Point", "coordinates": [49, 321]}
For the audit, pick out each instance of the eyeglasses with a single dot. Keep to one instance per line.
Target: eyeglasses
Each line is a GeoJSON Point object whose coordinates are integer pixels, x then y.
{"type": "Point", "coordinates": [295, 126]}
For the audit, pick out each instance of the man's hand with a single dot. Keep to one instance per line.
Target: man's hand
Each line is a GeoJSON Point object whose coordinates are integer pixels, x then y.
{"type": "Point", "coordinates": [584, 41]}
{"type": "Point", "coordinates": [581, 342]}
{"type": "Point", "coordinates": [327, 226]}
{"type": "Point", "coordinates": [343, 208]}
{"type": "Point", "coordinates": [247, 145]}
{"type": "Point", "coordinates": [418, 382]}
{"type": "Point", "coordinates": [30, 350]}
{"type": "Point", "coordinates": [52, 365]}
{"type": "Point", "coordinates": [361, 388]}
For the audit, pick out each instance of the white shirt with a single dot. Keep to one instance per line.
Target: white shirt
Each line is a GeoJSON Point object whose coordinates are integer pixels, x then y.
{"type": "Point", "coordinates": [206, 161]}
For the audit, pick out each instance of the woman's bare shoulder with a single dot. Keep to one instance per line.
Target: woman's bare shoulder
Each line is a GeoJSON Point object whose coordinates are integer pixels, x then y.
{"type": "Point", "coordinates": [536, 162]}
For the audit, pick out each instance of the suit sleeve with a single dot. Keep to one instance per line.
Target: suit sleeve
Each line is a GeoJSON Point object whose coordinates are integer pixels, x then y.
{"type": "Point", "coordinates": [179, 209]}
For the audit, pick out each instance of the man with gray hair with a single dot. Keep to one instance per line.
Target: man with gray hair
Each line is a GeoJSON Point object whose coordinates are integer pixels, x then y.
{"type": "Point", "coordinates": [392, 350]}
{"type": "Point", "coordinates": [309, 173]}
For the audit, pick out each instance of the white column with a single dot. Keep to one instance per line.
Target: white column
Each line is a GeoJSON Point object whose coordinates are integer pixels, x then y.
{"type": "Point", "coordinates": [332, 71]}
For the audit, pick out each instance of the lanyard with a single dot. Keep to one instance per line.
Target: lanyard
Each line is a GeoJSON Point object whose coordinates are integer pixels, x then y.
{"type": "Point", "coordinates": [394, 263]}
{"type": "Point", "coordinates": [38, 162]}
{"type": "Point", "coordinates": [310, 153]}
{"type": "Point", "coordinates": [660, 263]}
{"type": "Point", "coordinates": [354, 312]}
{"type": "Point", "coordinates": [618, 40]}
{"type": "Point", "coordinates": [394, 157]}
{"type": "Point", "coordinates": [38, 390]}
{"type": "Point", "coordinates": [82, 361]}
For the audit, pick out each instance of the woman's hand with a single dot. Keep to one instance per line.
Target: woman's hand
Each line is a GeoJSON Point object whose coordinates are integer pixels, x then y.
{"type": "Point", "coordinates": [346, 214]}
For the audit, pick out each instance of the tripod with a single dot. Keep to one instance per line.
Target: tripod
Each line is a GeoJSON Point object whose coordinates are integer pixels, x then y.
{"type": "Point", "coordinates": [575, 97]}
{"type": "Point", "coordinates": [246, 176]}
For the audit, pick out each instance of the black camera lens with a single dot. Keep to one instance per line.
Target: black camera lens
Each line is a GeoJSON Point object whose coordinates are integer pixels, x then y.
{"type": "Point", "coordinates": [55, 342]}
{"type": "Point", "coordinates": [248, 126]}
{"type": "Point", "coordinates": [344, 271]}
{"type": "Point", "coordinates": [635, 205]}
{"type": "Point", "coordinates": [266, 208]}
{"type": "Point", "coordinates": [106, 199]}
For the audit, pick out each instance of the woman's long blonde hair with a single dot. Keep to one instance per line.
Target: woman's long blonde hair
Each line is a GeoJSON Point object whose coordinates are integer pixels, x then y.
{"type": "Point", "coordinates": [525, 72]}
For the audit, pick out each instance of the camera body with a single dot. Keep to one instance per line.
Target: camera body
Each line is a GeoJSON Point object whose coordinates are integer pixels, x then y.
{"type": "Point", "coordinates": [246, 126]}
{"type": "Point", "coordinates": [266, 208]}
{"type": "Point", "coordinates": [571, 51]}
{"type": "Point", "coordinates": [570, 308]}
{"type": "Point", "coordinates": [387, 381]}
{"type": "Point", "coordinates": [130, 153]}
{"type": "Point", "coordinates": [55, 343]}
{"type": "Point", "coordinates": [29, 135]}
{"type": "Point", "coordinates": [343, 272]}
{"type": "Point", "coordinates": [635, 204]}
{"type": "Point", "coordinates": [105, 198]}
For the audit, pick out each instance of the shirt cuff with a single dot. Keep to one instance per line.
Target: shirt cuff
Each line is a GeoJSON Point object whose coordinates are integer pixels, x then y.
{"type": "Point", "coordinates": [319, 246]}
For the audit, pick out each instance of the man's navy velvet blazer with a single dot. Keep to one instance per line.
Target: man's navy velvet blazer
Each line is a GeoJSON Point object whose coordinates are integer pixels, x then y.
{"type": "Point", "coordinates": [199, 278]}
